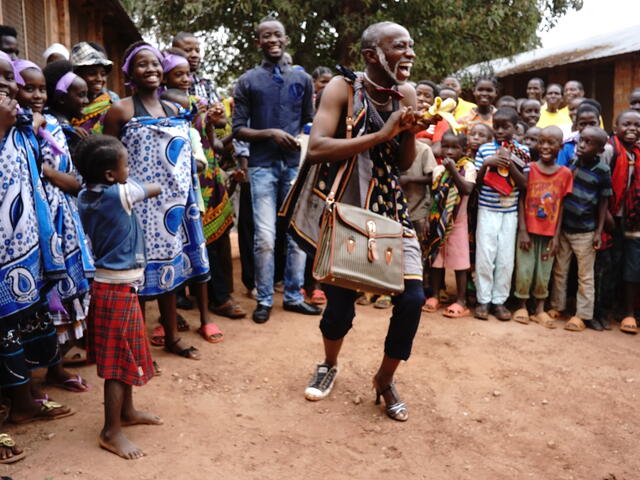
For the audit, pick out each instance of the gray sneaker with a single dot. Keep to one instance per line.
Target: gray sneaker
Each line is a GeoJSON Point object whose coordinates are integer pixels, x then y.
{"type": "Point", "coordinates": [322, 382]}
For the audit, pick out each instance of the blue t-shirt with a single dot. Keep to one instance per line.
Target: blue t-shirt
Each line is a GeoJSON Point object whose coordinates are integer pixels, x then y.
{"type": "Point", "coordinates": [107, 215]}
{"type": "Point", "coordinates": [488, 198]}
{"type": "Point", "coordinates": [568, 151]}
{"type": "Point", "coordinates": [265, 98]}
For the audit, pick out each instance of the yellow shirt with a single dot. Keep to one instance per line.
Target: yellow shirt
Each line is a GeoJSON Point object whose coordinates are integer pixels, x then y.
{"type": "Point", "coordinates": [558, 118]}
{"type": "Point", "coordinates": [463, 108]}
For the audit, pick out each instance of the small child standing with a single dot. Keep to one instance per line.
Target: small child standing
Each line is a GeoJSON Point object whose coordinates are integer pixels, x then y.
{"type": "Point", "coordinates": [498, 214]}
{"type": "Point", "coordinates": [117, 339]}
{"type": "Point", "coordinates": [531, 141]}
{"type": "Point", "coordinates": [583, 218]}
{"type": "Point", "coordinates": [540, 218]}
{"type": "Point", "coordinates": [447, 243]}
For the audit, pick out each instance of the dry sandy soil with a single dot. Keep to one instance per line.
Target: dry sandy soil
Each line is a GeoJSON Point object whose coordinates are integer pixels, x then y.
{"type": "Point", "coordinates": [488, 400]}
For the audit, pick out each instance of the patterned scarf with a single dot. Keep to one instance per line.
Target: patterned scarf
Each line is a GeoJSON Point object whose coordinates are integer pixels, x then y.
{"type": "Point", "coordinates": [93, 114]}
{"type": "Point", "coordinates": [444, 210]}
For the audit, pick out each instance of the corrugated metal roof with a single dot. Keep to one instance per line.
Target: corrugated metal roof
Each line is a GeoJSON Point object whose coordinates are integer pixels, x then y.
{"type": "Point", "coordinates": [600, 46]}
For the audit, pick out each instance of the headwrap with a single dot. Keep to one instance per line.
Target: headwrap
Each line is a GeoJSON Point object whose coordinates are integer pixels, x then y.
{"type": "Point", "coordinates": [171, 61]}
{"type": "Point", "coordinates": [65, 82]}
{"type": "Point", "coordinates": [56, 48]}
{"type": "Point", "coordinates": [126, 65]}
{"type": "Point", "coordinates": [20, 65]}
{"type": "Point", "coordinates": [6, 58]}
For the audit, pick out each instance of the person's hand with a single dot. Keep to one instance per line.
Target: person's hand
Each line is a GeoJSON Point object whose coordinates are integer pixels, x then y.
{"type": "Point", "coordinates": [552, 248]}
{"type": "Point", "coordinates": [398, 121]}
{"type": "Point", "coordinates": [597, 240]}
{"type": "Point", "coordinates": [239, 175]}
{"type": "Point", "coordinates": [8, 112]}
{"type": "Point", "coordinates": [46, 170]}
{"type": "Point", "coordinates": [38, 121]}
{"type": "Point", "coordinates": [216, 115]}
{"type": "Point", "coordinates": [524, 240]}
{"type": "Point", "coordinates": [449, 164]}
{"type": "Point", "coordinates": [81, 132]}
{"type": "Point", "coordinates": [285, 140]}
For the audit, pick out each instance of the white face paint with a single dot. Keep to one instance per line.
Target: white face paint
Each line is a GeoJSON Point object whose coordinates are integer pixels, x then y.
{"type": "Point", "coordinates": [394, 73]}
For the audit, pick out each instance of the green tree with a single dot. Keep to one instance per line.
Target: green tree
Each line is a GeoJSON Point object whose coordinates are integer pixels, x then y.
{"type": "Point", "coordinates": [449, 34]}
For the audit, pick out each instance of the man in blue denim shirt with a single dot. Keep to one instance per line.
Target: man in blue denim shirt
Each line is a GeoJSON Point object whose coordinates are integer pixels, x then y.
{"type": "Point", "coordinates": [272, 104]}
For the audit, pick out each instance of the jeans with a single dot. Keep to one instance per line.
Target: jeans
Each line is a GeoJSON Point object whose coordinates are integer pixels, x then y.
{"type": "Point", "coordinates": [269, 186]}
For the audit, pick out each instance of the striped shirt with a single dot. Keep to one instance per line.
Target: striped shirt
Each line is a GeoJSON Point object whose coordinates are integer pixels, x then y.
{"type": "Point", "coordinates": [580, 208]}
{"type": "Point", "coordinates": [488, 198]}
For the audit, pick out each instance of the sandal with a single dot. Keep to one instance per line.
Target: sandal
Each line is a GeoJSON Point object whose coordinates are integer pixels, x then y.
{"type": "Point", "coordinates": [455, 310]}
{"type": "Point", "coordinates": [183, 325]}
{"type": "Point", "coordinates": [554, 314]}
{"type": "Point", "coordinates": [365, 299]}
{"type": "Point", "coordinates": [482, 311]}
{"type": "Point", "coordinates": [383, 301]}
{"type": "Point", "coordinates": [575, 324]}
{"type": "Point", "coordinates": [7, 442]}
{"type": "Point", "coordinates": [48, 411]}
{"type": "Point", "coordinates": [501, 313]}
{"type": "Point", "coordinates": [544, 319]}
{"type": "Point", "coordinates": [397, 410]}
{"type": "Point", "coordinates": [318, 297]}
{"type": "Point", "coordinates": [629, 325]}
{"type": "Point", "coordinates": [192, 353]}
{"type": "Point", "coordinates": [211, 333]}
{"type": "Point", "coordinates": [229, 309]}
{"type": "Point", "coordinates": [432, 305]}
{"type": "Point", "coordinates": [75, 384]}
{"type": "Point", "coordinates": [521, 316]}
{"type": "Point", "coordinates": [443, 296]}
{"type": "Point", "coordinates": [157, 336]}
{"type": "Point", "coordinates": [76, 356]}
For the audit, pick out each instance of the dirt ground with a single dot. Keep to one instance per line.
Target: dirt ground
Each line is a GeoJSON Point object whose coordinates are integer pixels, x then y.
{"type": "Point", "coordinates": [487, 400]}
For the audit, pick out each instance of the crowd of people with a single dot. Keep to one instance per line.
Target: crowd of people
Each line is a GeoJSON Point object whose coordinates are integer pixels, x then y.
{"type": "Point", "coordinates": [108, 203]}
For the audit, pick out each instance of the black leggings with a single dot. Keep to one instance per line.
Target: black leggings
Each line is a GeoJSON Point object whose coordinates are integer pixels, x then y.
{"type": "Point", "coordinates": [337, 319]}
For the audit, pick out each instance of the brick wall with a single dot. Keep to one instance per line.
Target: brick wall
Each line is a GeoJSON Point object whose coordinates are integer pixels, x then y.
{"type": "Point", "coordinates": [627, 78]}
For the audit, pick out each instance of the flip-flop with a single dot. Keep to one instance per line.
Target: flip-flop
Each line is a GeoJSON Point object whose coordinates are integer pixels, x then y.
{"type": "Point", "coordinates": [432, 305]}
{"type": "Point", "coordinates": [69, 383]}
{"type": "Point", "coordinates": [575, 324]}
{"type": "Point", "coordinates": [629, 325]}
{"type": "Point", "coordinates": [74, 357]}
{"type": "Point", "coordinates": [8, 442]}
{"type": "Point", "coordinates": [209, 332]}
{"type": "Point", "coordinates": [318, 297]}
{"type": "Point", "coordinates": [544, 319]}
{"type": "Point", "coordinates": [521, 316]}
{"type": "Point", "coordinates": [46, 407]}
{"type": "Point", "coordinates": [384, 301]}
{"type": "Point", "coordinates": [554, 314]}
{"type": "Point", "coordinates": [443, 296]}
{"type": "Point", "coordinates": [455, 310]}
{"type": "Point", "coordinates": [191, 353]}
{"type": "Point", "coordinates": [157, 336]}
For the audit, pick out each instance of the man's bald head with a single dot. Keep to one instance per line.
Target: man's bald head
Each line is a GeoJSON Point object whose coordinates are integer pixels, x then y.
{"type": "Point", "coordinates": [370, 38]}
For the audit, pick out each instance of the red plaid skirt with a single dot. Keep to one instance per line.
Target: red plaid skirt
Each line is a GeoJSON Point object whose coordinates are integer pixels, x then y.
{"type": "Point", "coordinates": [117, 340]}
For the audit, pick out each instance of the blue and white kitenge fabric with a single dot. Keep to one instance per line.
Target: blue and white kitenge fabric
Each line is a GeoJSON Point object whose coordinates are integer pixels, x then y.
{"type": "Point", "coordinates": [73, 290]}
{"type": "Point", "coordinates": [160, 152]}
{"type": "Point", "coordinates": [31, 253]}
{"type": "Point", "coordinates": [31, 260]}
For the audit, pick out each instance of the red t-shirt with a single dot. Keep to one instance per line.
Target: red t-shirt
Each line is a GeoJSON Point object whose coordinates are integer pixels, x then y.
{"type": "Point", "coordinates": [543, 203]}
{"type": "Point", "coordinates": [438, 131]}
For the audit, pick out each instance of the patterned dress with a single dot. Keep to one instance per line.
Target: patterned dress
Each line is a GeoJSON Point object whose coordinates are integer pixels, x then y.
{"type": "Point", "coordinates": [160, 152]}
{"type": "Point", "coordinates": [73, 289]}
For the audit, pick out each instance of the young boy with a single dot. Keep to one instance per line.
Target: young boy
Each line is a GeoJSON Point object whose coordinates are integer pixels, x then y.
{"type": "Point", "coordinates": [498, 215]}
{"type": "Point", "coordinates": [583, 216]}
{"type": "Point", "coordinates": [539, 226]}
{"type": "Point", "coordinates": [634, 100]}
{"type": "Point", "coordinates": [530, 111]}
{"type": "Point", "coordinates": [531, 141]}
{"type": "Point", "coordinates": [586, 116]}
{"type": "Point", "coordinates": [117, 340]}
{"type": "Point", "coordinates": [625, 208]}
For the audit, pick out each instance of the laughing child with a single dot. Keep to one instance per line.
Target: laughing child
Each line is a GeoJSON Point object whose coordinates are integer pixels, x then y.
{"type": "Point", "coordinates": [540, 218]}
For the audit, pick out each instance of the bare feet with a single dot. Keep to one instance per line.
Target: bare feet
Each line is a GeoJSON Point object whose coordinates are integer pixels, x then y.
{"type": "Point", "coordinates": [136, 417]}
{"type": "Point", "coordinates": [120, 445]}
{"type": "Point", "coordinates": [9, 452]}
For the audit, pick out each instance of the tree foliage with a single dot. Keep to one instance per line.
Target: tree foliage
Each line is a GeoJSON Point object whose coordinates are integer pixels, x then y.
{"type": "Point", "coordinates": [448, 34]}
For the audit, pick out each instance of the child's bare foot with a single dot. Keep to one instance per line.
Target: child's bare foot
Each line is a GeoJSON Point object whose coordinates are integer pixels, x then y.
{"type": "Point", "coordinates": [136, 417]}
{"type": "Point", "coordinates": [120, 445]}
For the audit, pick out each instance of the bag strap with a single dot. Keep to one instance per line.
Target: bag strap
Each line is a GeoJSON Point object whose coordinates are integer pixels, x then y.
{"type": "Point", "coordinates": [349, 122]}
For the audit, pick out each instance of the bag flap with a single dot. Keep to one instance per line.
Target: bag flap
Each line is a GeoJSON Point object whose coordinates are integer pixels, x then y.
{"type": "Point", "coordinates": [357, 218]}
